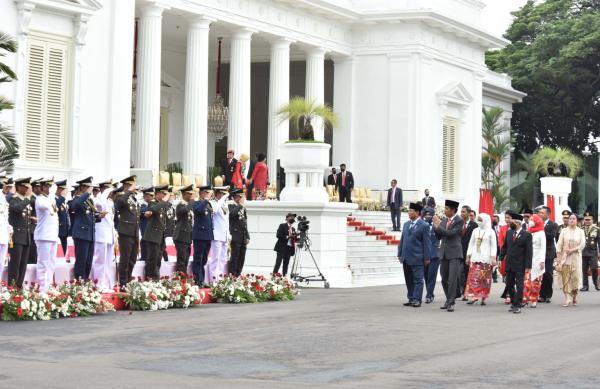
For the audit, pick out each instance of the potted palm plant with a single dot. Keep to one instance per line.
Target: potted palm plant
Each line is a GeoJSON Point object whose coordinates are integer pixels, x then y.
{"type": "Point", "coordinates": [305, 159]}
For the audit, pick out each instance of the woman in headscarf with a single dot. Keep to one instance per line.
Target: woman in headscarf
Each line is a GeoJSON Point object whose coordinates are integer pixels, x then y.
{"type": "Point", "coordinates": [568, 260]}
{"type": "Point", "coordinates": [481, 256]}
{"type": "Point", "coordinates": [533, 278]}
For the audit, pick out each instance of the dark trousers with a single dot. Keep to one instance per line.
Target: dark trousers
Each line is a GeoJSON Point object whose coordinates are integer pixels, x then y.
{"type": "Point", "coordinates": [162, 254]}
{"type": "Point", "coordinates": [32, 251]}
{"type": "Point", "coordinates": [64, 244]}
{"type": "Point", "coordinates": [238, 257]}
{"type": "Point", "coordinates": [515, 279]}
{"type": "Point", "coordinates": [345, 195]}
{"type": "Point", "coordinates": [547, 279]}
{"type": "Point", "coordinates": [395, 213]}
{"type": "Point", "coordinates": [201, 249]}
{"type": "Point", "coordinates": [413, 275]}
{"type": "Point", "coordinates": [128, 247]}
{"type": "Point", "coordinates": [84, 256]}
{"type": "Point", "coordinates": [282, 256]}
{"type": "Point", "coordinates": [464, 274]}
{"type": "Point", "coordinates": [450, 271]}
{"type": "Point", "coordinates": [17, 264]}
{"type": "Point", "coordinates": [183, 256]}
{"type": "Point", "coordinates": [143, 251]}
{"type": "Point", "coordinates": [154, 254]}
{"type": "Point", "coordinates": [431, 272]}
{"type": "Point", "coordinates": [590, 262]}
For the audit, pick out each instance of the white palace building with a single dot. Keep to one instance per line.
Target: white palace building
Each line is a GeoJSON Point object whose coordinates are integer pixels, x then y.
{"type": "Point", "coordinates": [107, 86]}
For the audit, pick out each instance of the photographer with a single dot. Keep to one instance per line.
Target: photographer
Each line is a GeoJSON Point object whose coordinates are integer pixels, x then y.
{"type": "Point", "coordinates": [286, 243]}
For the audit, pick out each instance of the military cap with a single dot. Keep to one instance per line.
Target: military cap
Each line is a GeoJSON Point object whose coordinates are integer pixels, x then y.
{"type": "Point", "coordinates": [171, 187]}
{"type": "Point", "coordinates": [428, 210]}
{"type": "Point", "coordinates": [514, 215]}
{"type": "Point", "coordinates": [118, 190]}
{"type": "Point", "coordinates": [237, 192]}
{"type": "Point", "coordinates": [61, 184]}
{"type": "Point", "coordinates": [37, 182]}
{"type": "Point", "coordinates": [47, 181]}
{"type": "Point", "coordinates": [222, 189]}
{"type": "Point", "coordinates": [150, 190]}
{"type": "Point", "coordinates": [23, 182]}
{"type": "Point", "coordinates": [204, 188]}
{"type": "Point", "coordinates": [588, 214]}
{"type": "Point", "coordinates": [452, 204]}
{"type": "Point", "coordinates": [187, 189]}
{"type": "Point", "coordinates": [129, 180]}
{"type": "Point", "coordinates": [9, 182]}
{"type": "Point", "coordinates": [528, 211]}
{"type": "Point", "coordinates": [106, 184]}
{"type": "Point", "coordinates": [86, 181]}
{"type": "Point", "coordinates": [163, 188]}
{"type": "Point", "coordinates": [566, 212]}
{"type": "Point", "coordinates": [415, 207]}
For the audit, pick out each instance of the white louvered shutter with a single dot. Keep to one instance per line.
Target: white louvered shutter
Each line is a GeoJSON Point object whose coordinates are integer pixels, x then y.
{"type": "Point", "coordinates": [45, 116]}
{"type": "Point", "coordinates": [449, 156]}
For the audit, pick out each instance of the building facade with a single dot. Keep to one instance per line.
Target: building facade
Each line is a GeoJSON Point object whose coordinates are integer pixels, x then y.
{"type": "Point", "coordinates": [107, 86]}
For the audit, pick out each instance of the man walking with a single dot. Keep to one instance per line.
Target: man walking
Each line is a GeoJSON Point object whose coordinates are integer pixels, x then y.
{"type": "Point", "coordinates": [394, 202]}
{"type": "Point", "coordinates": [431, 269]}
{"type": "Point", "coordinates": [448, 230]}
{"type": "Point", "coordinates": [414, 252]}
{"type": "Point", "coordinates": [468, 216]}
{"type": "Point", "coordinates": [518, 252]}
{"type": "Point", "coordinates": [345, 184]}
{"type": "Point", "coordinates": [238, 227]}
{"type": "Point", "coordinates": [551, 232]}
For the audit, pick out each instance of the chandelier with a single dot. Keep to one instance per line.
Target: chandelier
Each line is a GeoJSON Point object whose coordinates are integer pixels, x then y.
{"type": "Point", "coordinates": [218, 113]}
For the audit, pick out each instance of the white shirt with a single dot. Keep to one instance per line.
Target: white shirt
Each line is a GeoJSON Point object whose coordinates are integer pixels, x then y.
{"type": "Point", "coordinates": [5, 228]}
{"type": "Point", "coordinates": [220, 219]}
{"type": "Point", "coordinates": [487, 248]}
{"type": "Point", "coordinates": [46, 228]}
{"type": "Point", "coordinates": [538, 241]}
{"type": "Point", "coordinates": [105, 230]}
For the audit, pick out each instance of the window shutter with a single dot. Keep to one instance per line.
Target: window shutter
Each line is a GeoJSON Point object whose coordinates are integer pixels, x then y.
{"type": "Point", "coordinates": [45, 116]}
{"type": "Point", "coordinates": [449, 156]}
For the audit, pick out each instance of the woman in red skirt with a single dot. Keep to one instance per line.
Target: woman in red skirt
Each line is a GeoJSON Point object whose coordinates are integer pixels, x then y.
{"type": "Point", "coordinates": [481, 256]}
{"type": "Point", "coordinates": [533, 278]}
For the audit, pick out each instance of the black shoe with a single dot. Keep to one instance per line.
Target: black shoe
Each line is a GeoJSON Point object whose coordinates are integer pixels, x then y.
{"type": "Point", "coordinates": [408, 304]}
{"type": "Point", "coordinates": [428, 300]}
{"type": "Point", "coordinates": [512, 309]}
{"type": "Point", "coordinates": [548, 301]}
{"type": "Point", "coordinates": [542, 300]}
{"type": "Point", "coordinates": [471, 302]}
{"type": "Point", "coordinates": [445, 306]}
{"type": "Point", "coordinates": [518, 310]}
{"type": "Point", "coordinates": [464, 299]}
{"type": "Point", "coordinates": [584, 289]}
{"type": "Point", "coordinates": [597, 287]}
{"type": "Point", "coordinates": [416, 305]}
{"type": "Point", "coordinates": [451, 308]}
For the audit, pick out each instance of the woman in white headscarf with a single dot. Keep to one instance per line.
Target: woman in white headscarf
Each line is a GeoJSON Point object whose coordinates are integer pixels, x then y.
{"type": "Point", "coordinates": [481, 257]}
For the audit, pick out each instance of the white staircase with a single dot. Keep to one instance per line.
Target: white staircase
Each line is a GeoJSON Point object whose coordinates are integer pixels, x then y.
{"type": "Point", "coordinates": [373, 260]}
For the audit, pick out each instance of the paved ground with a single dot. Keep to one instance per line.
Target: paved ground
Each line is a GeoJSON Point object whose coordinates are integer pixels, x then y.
{"type": "Point", "coordinates": [326, 339]}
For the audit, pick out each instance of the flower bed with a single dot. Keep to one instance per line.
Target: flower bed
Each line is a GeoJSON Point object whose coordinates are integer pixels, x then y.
{"type": "Point", "coordinates": [178, 291]}
{"type": "Point", "coordinates": [253, 289]}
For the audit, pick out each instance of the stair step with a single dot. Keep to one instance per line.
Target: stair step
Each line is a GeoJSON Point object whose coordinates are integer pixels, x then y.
{"type": "Point", "coordinates": [355, 224]}
{"type": "Point", "coordinates": [375, 255]}
{"type": "Point", "coordinates": [376, 232]}
{"type": "Point", "coordinates": [365, 228]}
{"type": "Point", "coordinates": [374, 245]}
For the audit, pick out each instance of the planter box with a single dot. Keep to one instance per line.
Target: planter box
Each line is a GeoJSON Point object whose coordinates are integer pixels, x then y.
{"type": "Point", "coordinates": [304, 165]}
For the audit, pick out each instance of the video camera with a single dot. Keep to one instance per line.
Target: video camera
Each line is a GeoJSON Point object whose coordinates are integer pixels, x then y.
{"type": "Point", "coordinates": [302, 232]}
{"type": "Point", "coordinates": [302, 224]}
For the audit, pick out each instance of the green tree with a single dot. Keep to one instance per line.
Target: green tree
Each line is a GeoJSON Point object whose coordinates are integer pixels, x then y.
{"type": "Point", "coordinates": [497, 144]}
{"type": "Point", "coordinates": [553, 56]}
{"type": "Point", "coordinates": [9, 147]}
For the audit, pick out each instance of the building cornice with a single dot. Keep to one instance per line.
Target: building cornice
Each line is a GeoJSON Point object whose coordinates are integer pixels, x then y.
{"type": "Point", "coordinates": [83, 7]}
{"type": "Point", "coordinates": [509, 95]}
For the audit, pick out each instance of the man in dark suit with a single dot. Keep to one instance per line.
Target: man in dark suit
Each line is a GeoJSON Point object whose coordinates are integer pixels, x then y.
{"type": "Point", "coordinates": [468, 216]}
{"type": "Point", "coordinates": [431, 269]}
{"type": "Point", "coordinates": [238, 227]}
{"type": "Point", "coordinates": [202, 233]}
{"type": "Point", "coordinates": [448, 230]}
{"type": "Point", "coordinates": [414, 252]}
{"type": "Point", "coordinates": [182, 234]}
{"type": "Point", "coordinates": [551, 232]}
{"type": "Point", "coordinates": [63, 215]}
{"type": "Point", "coordinates": [19, 217]}
{"type": "Point", "coordinates": [345, 184]}
{"type": "Point", "coordinates": [228, 167]}
{"type": "Point", "coordinates": [517, 251]}
{"type": "Point", "coordinates": [286, 243]}
{"type": "Point", "coordinates": [331, 179]}
{"type": "Point", "coordinates": [128, 211]}
{"type": "Point", "coordinates": [428, 201]}
{"type": "Point", "coordinates": [394, 202]}
{"type": "Point", "coordinates": [84, 229]}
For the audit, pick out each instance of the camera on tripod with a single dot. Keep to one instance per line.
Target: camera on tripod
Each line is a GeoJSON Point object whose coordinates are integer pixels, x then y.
{"type": "Point", "coordinates": [302, 234]}
{"type": "Point", "coordinates": [304, 243]}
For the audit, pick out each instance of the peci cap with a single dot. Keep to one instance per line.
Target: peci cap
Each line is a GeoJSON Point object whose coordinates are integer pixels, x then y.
{"type": "Point", "coordinates": [452, 204]}
{"type": "Point", "coordinates": [415, 207]}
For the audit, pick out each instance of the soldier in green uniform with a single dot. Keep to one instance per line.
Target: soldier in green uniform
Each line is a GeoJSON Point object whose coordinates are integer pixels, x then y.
{"type": "Point", "coordinates": [20, 218]}
{"type": "Point", "coordinates": [566, 214]}
{"type": "Point", "coordinates": [182, 234]}
{"type": "Point", "coordinates": [128, 211]}
{"type": "Point", "coordinates": [155, 231]}
{"type": "Point", "coordinates": [590, 251]}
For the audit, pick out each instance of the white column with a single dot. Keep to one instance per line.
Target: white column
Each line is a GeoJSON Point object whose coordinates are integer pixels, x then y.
{"type": "Point", "coordinates": [238, 134]}
{"type": "Point", "coordinates": [279, 94]}
{"type": "Point", "coordinates": [196, 98]}
{"type": "Point", "coordinates": [315, 84]}
{"type": "Point", "coordinates": [147, 123]}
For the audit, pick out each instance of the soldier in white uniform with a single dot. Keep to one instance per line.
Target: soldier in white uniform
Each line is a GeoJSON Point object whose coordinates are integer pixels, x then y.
{"type": "Point", "coordinates": [5, 229]}
{"type": "Point", "coordinates": [46, 235]}
{"type": "Point", "coordinates": [104, 242]}
{"type": "Point", "coordinates": [217, 263]}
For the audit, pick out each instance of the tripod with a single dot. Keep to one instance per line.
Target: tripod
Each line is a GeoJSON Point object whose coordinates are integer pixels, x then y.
{"type": "Point", "coordinates": [304, 245]}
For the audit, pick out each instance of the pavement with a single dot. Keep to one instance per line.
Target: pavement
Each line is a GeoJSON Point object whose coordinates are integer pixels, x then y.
{"type": "Point", "coordinates": [327, 338]}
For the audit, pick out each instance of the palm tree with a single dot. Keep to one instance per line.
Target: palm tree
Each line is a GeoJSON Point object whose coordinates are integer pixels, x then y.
{"type": "Point", "coordinates": [9, 147]}
{"type": "Point", "coordinates": [496, 149]}
{"type": "Point", "coordinates": [557, 162]}
{"type": "Point", "coordinates": [301, 112]}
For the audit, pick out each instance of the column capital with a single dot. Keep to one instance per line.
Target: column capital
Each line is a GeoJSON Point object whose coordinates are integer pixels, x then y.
{"type": "Point", "coordinates": [151, 8]}
{"type": "Point", "coordinates": [200, 21]}
{"type": "Point", "coordinates": [316, 51]}
{"type": "Point", "coordinates": [281, 43]}
{"type": "Point", "coordinates": [243, 33]}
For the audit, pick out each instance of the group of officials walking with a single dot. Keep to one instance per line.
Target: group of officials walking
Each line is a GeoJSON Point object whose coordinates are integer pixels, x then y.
{"type": "Point", "coordinates": [106, 222]}
{"type": "Point", "coordinates": [531, 250]}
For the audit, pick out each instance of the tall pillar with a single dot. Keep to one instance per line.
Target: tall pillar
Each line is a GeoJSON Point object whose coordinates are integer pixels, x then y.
{"type": "Point", "coordinates": [279, 94]}
{"type": "Point", "coordinates": [238, 134]}
{"type": "Point", "coordinates": [196, 98]}
{"type": "Point", "coordinates": [147, 123]}
{"type": "Point", "coordinates": [315, 84]}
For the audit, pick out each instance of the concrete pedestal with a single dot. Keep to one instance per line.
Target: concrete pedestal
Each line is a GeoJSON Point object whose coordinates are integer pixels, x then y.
{"type": "Point", "coordinates": [560, 188]}
{"type": "Point", "coordinates": [304, 164]}
{"type": "Point", "coordinates": [327, 233]}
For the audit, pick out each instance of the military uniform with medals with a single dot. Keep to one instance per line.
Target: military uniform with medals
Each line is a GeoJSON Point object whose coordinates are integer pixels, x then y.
{"type": "Point", "coordinates": [154, 235]}
{"type": "Point", "coordinates": [182, 233]}
{"type": "Point", "coordinates": [63, 217]}
{"type": "Point", "coordinates": [589, 256]}
{"type": "Point", "coordinates": [202, 235]}
{"type": "Point", "coordinates": [128, 211]}
{"type": "Point", "coordinates": [84, 229]}
{"type": "Point", "coordinates": [238, 227]}
{"type": "Point", "coordinates": [19, 217]}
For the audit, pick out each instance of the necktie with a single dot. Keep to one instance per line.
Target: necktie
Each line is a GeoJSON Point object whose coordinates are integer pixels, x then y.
{"type": "Point", "coordinates": [344, 179]}
{"type": "Point", "coordinates": [448, 224]}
